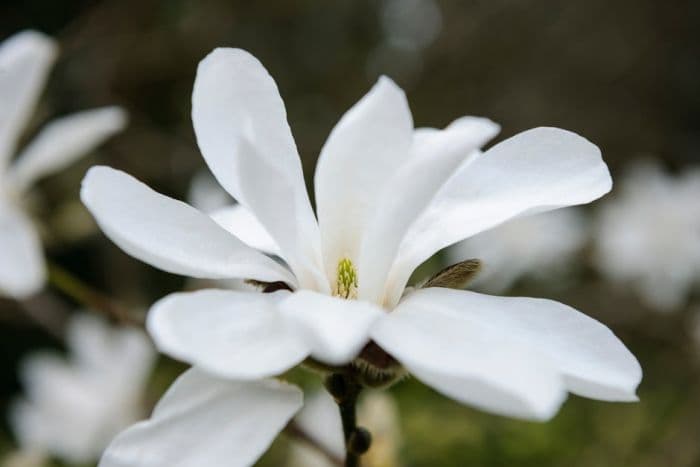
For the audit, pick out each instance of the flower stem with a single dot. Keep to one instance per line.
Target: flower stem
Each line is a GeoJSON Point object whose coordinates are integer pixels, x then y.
{"type": "Point", "coordinates": [345, 389]}
{"type": "Point", "coordinates": [87, 296]}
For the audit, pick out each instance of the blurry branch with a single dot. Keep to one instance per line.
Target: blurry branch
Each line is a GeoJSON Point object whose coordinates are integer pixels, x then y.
{"type": "Point", "coordinates": [90, 298]}
{"type": "Point", "coordinates": [294, 431]}
{"type": "Point", "coordinates": [46, 312]}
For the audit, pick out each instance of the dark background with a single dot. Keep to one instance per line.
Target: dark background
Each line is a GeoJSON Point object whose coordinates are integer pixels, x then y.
{"type": "Point", "coordinates": [625, 74]}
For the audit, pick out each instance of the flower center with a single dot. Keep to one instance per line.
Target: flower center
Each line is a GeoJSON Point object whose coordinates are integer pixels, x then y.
{"type": "Point", "coordinates": [346, 279]}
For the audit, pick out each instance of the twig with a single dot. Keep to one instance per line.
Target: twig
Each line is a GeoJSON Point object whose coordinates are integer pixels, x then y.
{"type": "Point", "coordinates": [47, 312]}
{"type": "Point", "coordinates": [82, 293]}
{"type": "Point", "coordinates": [345, 389]}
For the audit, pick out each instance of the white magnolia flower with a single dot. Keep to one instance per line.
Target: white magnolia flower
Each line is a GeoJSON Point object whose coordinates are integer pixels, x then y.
{"type": "Point", "coordinates": [648, 235]}
{"type": "Point", "coordinates": [321, 422]}
{"type": "Point", "coordinates": [25, 61]}
{"type": "Point", "coordinates": [74, 407]}
{"type": "Point", "coordinates": [540, 246]}
{"type": "Point", "coordinates": [207, 196]}
{"type": "Point", "coordinates": [388, 197]}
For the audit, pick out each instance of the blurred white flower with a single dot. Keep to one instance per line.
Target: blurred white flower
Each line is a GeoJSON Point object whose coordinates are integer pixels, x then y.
{"type": "Point", "coordinates": [320, 420]}
{"type": "Point", "coordinates": [75, 406]}
{"type": "Point", "coordinates": [207, 421]}
{"type": "Point", "coordinates": [388, 197]}
{"type": "Point", "coordinates": [409, 27]}
{"type": "Point", "coordinates": [648, 235]}
{"type": "Point", "coordinates": [540, 246]}
{"type": "Point", "coordinates": [411, 24]}
{"type": "Point", "coordinates": [25, 459]}
{"type": "Point", "coordinates": [25, 61]}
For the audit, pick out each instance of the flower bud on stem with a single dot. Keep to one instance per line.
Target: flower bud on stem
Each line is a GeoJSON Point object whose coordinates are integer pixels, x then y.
{"type": "Point", "coordinates": [345, 389]}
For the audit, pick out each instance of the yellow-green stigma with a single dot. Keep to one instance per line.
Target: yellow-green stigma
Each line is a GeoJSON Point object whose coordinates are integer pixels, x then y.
{"type": "Point", "coordinates": [346, 279]}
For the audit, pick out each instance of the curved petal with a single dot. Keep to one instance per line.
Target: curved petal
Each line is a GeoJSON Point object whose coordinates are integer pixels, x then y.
{"type": "Point", "coordinates": [320, 420]}
{"type": "Point", "coordinates": [364, 150]}
{"type": "Point", "coordinates": [169, 234]}
{"type": "Point", "coordinates": [594, 362]}
{"type": "Point", "coordinates": [22, 269]}
{"type": "Point", "coordinates": [335, 328]}
{"type": "Point", "coordinates": [25, 61]}
{"type": "Point", "coordinates": [63, 141]}
{"type": "Point", "coordinates": [241, 127]}
{"type": "Point", "coordinates": [535, 171]}
{"type": "Point", "coordinates": [240, 222]}
{"type": "Point", "coordinates": [205, 193]}
{"type": "Point", "coordinates": [472, 364]}
{"type": "Point", "coordinates": [203, 420]}
{"type": "Point", "coordinates": [435, 156]}
{"type": "Point", "coordinates": [231, 334]}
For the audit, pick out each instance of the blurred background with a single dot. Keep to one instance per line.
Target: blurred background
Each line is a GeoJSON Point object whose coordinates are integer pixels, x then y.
{"type": "Point", "coordinates": [624, 74]}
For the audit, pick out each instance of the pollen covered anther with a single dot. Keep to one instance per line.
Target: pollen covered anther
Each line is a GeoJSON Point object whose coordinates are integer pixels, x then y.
{"type": "Point", "coordinates": [346, 279]}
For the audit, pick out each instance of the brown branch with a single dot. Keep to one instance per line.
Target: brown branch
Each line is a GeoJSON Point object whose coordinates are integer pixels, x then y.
{"type": "Point", "coordinates": [82, 293]}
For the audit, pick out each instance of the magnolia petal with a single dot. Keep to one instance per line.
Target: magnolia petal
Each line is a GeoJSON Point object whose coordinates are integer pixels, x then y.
{"type": "Point", "coordinates": [22, 268]}
{"type": "Point", "coordinates": [63, 141]}
{"type": "Point", "coordinates": [124, 354]}
{"type": "Point", "coordinates": [472, 364]}
{"type": "Point", "coordinates": [435, 156]}
{"type": "Point", "coordinates": [25, 61]}
{"type": "Point", "coordinates": [241, 127]}
{"type": "Point", "coordinates": [206, 194]}
{"type": "Point", "coordinates": [231, 334]}
{"type": "Point", "coordinates": [364, 150]}
{"type": "Point", "coordinates": [594, 362]}
{"type": "Point", "coordinates": [335, 328]}
{"type": "Point", "coordinates": [320, 420]}
{"type": "Point", "coordinates": [202, 420]}
{"type": "Point", "coordinates": [273, 206]}
{"type": "Point", "coordinates": [535, 171]}
{"type": "Point", "coordinates": [43, 422]}
{"type": "Point", "coordinates": [240, 222]}
{"type": "Point", "coordinates": [170, 234]}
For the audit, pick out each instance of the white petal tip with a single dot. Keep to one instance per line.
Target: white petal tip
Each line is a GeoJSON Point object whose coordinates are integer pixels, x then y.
{"type": "Point", "coordinates": [92, 178]}
{"type": "Point", "coordinates": [481, 125]}
{"type": "Point", "coordinates": [31, 41]}
{"type": "Point", "coordinates": [21, 292]}
{"type": "Point", "coordinates": [227, 55]}
{"type": "Point", "coordinates": [116, 118]}
{"type": "Point", "coordinates": [386, 84]}
{"type": "Point", "coordinates": [545, 410]}
{"type": "Point", "coordinates": [571, 142]}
